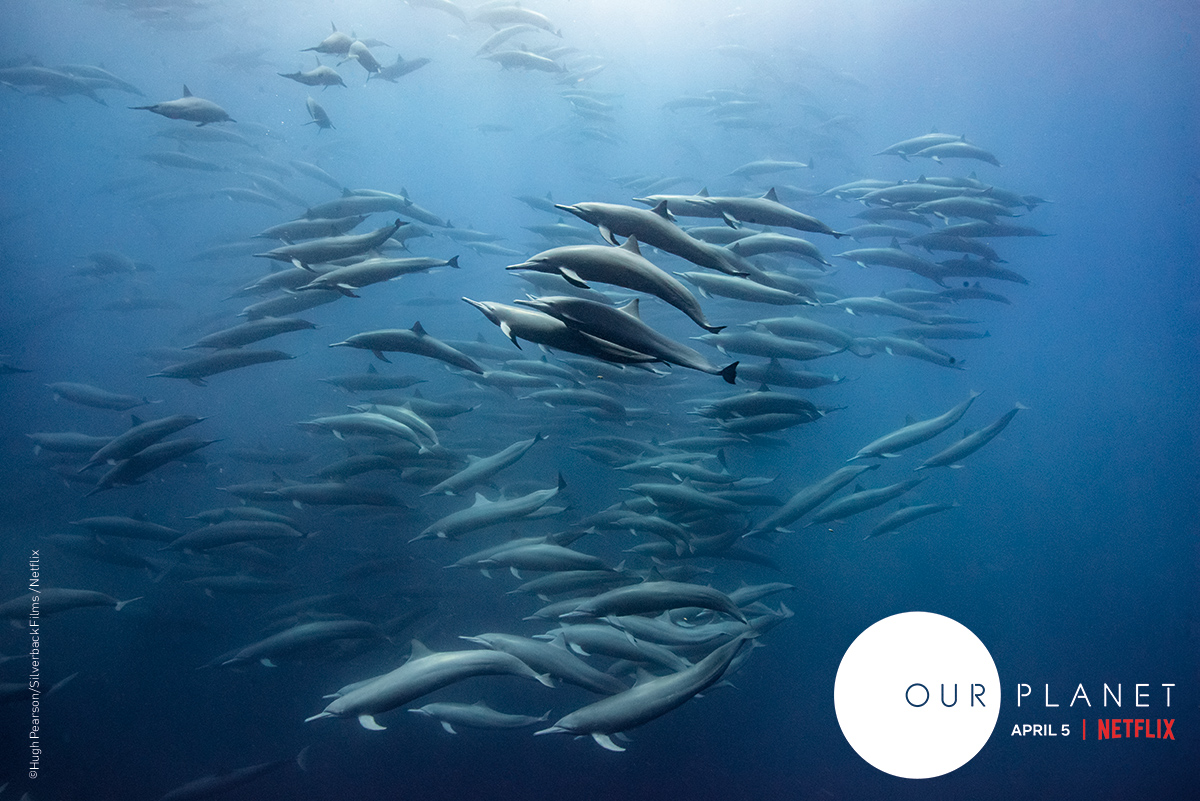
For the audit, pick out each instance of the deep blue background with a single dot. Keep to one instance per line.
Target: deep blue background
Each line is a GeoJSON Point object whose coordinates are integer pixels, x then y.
{"type": "Point", "coordinates": [1074, 555]}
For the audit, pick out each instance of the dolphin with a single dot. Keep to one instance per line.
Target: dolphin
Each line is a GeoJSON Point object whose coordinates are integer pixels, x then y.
{"type": "Point", "coordinates": [861, 500]}
{"type": "Point", "coordinates": [87, 395]}
{"type": "Point", "coordinates": [477, 715]}
{"type": "Point", "coordinates": [516, 323]}
{"type": "Point", "coordinates": [414, 340]}
{"type": "Point", "coordinates": [400, 68]}
{"type": "Point", "coordinates": [649, 699]}
{"type": "Point", "coordinates": [623, 328]}
{"type": "Point", "coordinates": [552, 659]}
{"type": "Point", "coordinates": [907, 514]}
{"type": "Point", "coordinates": [57, 599]}
{"type": "Point", "coordinates": [252, 331]}
{"type": "Point", "coordinates": [586, 639]}
{"type": "Point", "coordinates": [767, 166]}
{"type": "Point", "coordinates": [229, 532]}
{"type": "Point", "coordinates": [114, 526]}
{"type": "Point", "coordinates": [332, 493]}
{"type": "Point", "coordinates": [621, 266]}
{"type": "Point", "coordinates": [446, 6]}
{"type": "Point", "coordinates": [366, 59]}
{"type": "Point", "coordinates": [424, 672]}
{"type": "Point", "coordinates": [140, 436]}
{"type": "Point", "coordinates": [970, 442]}
{"type": "Point", "coordinates": [372, 271]}
{"type": "Point", "coordinates": [299, 229]}
{"type": "Point", "coordinates": [764, 210]}
{"type": "Point", "coordinates": [482, 469]}
{"type": "Point", "coordinates": [335, 44]}
{"type": "Point", "coordinates": [957, 150]}
{"type": "Point", "coordinates": [331, 248]}
{"type": "Point", "coordinates": [899, 346]}
{"type": "Point", "coordinates": [221, 361]}
{"type": "Point", "coordinates": [151, 458]}
{"type": "Point", "coordinates": [320, 117]}
{"type": "Point", "coordinates": [652, 227]}
{"type": "Point", "coordinates": [914, 433]}
{"type": "Point", "coordinates": [320, 76]}
{"type": "Point", "coordinates": [290, 303]}
{"type": "Point", "coordinates": [218, 784]}
{"type": "Point", "coordinates": [303, 636]}
{"type": "Point", "coordinates": [808, 499]}
{"type": "Point", "coordinates": [190, 108]}
{"type": "Point", "coordinates": [497, 16]}
{"type": "Point", "coordinates": [744, 289]}
{"type": "Point", "coordinates": [483, 513]}
{"type": "Point", "coordinates": [915, 145]}
{"type": "Point", "coordinates": [655, 596]}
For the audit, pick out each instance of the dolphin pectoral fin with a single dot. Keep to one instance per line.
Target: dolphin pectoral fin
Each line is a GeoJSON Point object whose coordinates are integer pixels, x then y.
{"type": "Point", "coordinates": [604, 741]}
{"type": "Point", "coordinates": [506, 329]}
{"type": "Point", "coordinates": [730, 220]}
{"type": "Point", "coordinates": [121, 604]}
{"type": "Point", "coordinates": [573, 278]}
{"type": "Point", "coordinates": [265, 662]}
{"type": "Point", "coordinates": [379, 355]}
{"type": "Point", "coordinates": [368, 722]}
{"type": "Point", "coordinates": [608, 235]}
{"type": "Point", "coordinates": [449, 729]}
{"type": "Point", "coordinates": [546, 679]}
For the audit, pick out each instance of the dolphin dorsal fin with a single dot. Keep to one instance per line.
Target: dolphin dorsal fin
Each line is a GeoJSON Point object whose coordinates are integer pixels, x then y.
{"type": "Point", "coordinates": [631, 244]}
{"type": "Point", "coordinates": [371, 369]}
{"type": "Point", "coordinates": [418, 329]}
{"type": "Point", "coordinates": [909, 420]}
{"type": "Point", "coordinates": [771, 195]}
{"type": "Point", "coordinates": [895, 243]}
{"type": "Point", "coordinates": [419, 651]}
{"type": "Point", "coordinates": [186, 92]}
{"type": "Point", "coordinates": [334, 27]}
{"type": "Point", "coordinates": [480, 500]}
{"type": "Point", "coordinates": [703, 192]}
{"type": "Point", "coordinates": [631, 308]}
{"type": "Point", "coordinates": [661, 210]}
{"type": "Point", "coordinates": [135, 421]}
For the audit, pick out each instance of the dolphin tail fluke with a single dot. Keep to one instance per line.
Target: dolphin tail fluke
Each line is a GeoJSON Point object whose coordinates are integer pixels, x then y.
{"type": "Point", "coordinates": [729, 373]}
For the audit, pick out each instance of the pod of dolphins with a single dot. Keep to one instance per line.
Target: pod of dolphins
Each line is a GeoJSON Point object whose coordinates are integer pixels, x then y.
{"type": "Point", "coordinates": [637, 598]}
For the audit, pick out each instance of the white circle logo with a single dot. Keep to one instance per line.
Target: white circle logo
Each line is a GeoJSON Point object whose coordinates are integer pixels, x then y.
{"type": "Point", "coordinates": [917, 695]}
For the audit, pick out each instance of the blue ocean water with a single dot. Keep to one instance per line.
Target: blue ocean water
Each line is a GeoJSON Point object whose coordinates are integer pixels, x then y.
{"type": "Point", "coordinates": [1073, 553]}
